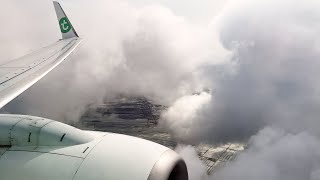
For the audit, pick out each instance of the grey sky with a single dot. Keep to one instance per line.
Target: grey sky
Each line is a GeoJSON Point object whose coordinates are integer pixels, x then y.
{"type": "Point", "coordinates": [200, 11]}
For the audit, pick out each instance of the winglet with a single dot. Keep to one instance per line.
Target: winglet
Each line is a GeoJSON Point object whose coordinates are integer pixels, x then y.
{"type": "Point", "coordinates": [66, 27]}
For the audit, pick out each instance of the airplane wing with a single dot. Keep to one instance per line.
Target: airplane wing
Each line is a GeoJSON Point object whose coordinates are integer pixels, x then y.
{"type": "Point", "coordinates": [18, 75]}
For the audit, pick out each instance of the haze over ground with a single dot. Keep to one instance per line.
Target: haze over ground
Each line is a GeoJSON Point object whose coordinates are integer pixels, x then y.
{"type": "Point", "coordinates": [259, 58]}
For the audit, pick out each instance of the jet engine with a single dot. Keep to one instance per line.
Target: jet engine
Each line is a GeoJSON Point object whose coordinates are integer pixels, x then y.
{"type": "Point", "coordinates": [35, 148]}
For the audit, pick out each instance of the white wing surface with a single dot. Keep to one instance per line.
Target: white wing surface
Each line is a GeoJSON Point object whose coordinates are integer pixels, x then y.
{"type": "Point", "coordinates": [18, 75]}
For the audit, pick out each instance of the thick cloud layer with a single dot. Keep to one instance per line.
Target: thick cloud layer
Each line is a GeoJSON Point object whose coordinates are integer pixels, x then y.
{"type": "Point", "coordinates": [269, 88]}
{"type": "Point", "coordinates": [272, 78]}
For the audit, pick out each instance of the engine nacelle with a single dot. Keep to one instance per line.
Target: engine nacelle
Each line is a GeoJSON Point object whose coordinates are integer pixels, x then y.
{"type": "Point", "coordinates": [33, 148]}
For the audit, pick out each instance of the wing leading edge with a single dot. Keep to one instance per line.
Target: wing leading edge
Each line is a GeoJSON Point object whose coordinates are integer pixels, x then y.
{"type": "Point", "coordinates": [18, 75]}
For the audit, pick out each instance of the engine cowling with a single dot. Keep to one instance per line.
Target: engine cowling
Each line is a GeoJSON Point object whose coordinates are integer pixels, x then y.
{"type": "Point", "coordinates": [33, 148]}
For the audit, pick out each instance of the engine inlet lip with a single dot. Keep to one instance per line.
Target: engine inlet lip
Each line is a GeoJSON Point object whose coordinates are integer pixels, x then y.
{"type": "Point", "coordinates": [169, 165]}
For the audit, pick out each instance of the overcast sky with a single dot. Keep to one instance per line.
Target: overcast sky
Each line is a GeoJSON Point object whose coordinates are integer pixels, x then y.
{"type": "Point", "coordinates": [200, 11]}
